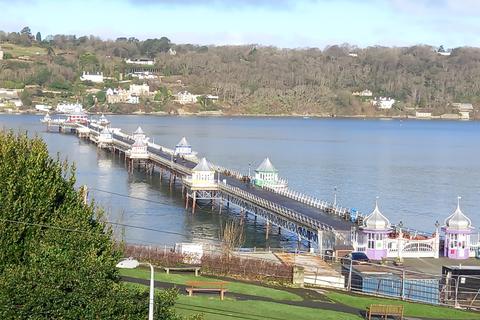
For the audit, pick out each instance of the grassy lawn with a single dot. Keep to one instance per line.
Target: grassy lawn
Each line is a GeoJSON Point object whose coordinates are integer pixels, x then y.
{"type": "Point", "coordinates": [17, 51]}
{"type": "Point", "coordinates": [215, 309]}
{"type": "Point", "coordinates": [411, 309]}
{"type": "Point", "coordinates": [236, 287]}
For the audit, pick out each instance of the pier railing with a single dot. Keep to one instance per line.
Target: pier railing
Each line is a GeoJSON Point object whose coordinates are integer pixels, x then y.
{"type": "Point", "coordinates": [323, 205]}
{"type": "Point", "coordinates": [266, 204]}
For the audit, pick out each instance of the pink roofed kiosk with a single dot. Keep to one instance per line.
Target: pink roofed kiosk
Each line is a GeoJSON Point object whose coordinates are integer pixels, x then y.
{"type": "Point", "coordinates": [457, 228]}
{"type": "Point", "coordinates": [373, 232]}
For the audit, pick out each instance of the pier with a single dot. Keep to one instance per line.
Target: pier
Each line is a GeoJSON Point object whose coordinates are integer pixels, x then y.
{"type": "Point", "coordinates": [320, 223]}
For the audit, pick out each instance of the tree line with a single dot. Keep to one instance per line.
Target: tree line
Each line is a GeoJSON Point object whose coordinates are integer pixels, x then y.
{"type": "Point", "coordinates": [261, 79]}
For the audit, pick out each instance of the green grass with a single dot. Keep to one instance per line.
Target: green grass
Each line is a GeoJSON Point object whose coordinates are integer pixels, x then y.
{"type": "Point", "coordinates": [410, 309]}
{"type": "Point", "coordinates": [215, 309]}
{"type": "Point", "coordinates": [17, 51]}
{"type": "Point", "coordinates": [236, 287]}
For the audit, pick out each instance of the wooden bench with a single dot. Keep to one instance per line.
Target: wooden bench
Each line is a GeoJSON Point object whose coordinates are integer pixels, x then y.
{"type": "Point", "coordinates": [195, 269]}
{"type": "Point", "coordinates": [384, 311]}
{"type": "Point", "coordinates": [207, 286]}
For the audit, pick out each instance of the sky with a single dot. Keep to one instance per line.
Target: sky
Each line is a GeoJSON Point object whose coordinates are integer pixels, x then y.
{"type": "Point", "coordinates": [281, 23]}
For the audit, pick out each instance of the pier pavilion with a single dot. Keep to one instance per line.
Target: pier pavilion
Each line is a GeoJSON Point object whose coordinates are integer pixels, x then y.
{"type": "Point", "coordinates": [458, 228]}
{"type": "Point", "coordinates": [266, 175]}
{"type": "Point", "coordinates": [183, 148]}
{"type": "Point", "coordinates": [201, 185]}
{"type": "Point", "coordinates": [379, 239]}
{"type": "Point", "coordinates": [105, 138]}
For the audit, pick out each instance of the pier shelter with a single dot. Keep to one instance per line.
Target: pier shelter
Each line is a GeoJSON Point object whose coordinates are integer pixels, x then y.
{"type": "Point", "coordinates": [266, 175]}
{"type": "Point", "coordinates": [203, 175]}
{"type": "Point", "coordinates": [183, 148]}
{"type": "Point", "coordinates": [379, 239]}
{"type": "Point", "coordinates": [105, 138]}
{"type": "Point", "coordinates": [139, 134]}
{"type": "Point", "coordinates": [373, 232]}
{"type": "Point", "coordinates": [138, 150]}
{"type": "Point", "coordinates": [458, 228]}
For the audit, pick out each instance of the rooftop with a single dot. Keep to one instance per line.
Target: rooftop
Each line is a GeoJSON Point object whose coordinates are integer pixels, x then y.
{"type": "Point", "coordinates": [266, 166]}
{"type": "Point", "coordinates": [203, 165]}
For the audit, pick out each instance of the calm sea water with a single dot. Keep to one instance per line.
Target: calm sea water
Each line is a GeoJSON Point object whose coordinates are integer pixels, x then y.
{"type": "Point", "coordinates": [417, 168]}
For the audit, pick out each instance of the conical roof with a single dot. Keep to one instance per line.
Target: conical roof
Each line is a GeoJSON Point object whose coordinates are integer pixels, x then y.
{"type": "Point", "coordinates": [105, 130]}
{"type": "Point", "coordinates": [266, 166]}
{"type": "Point", "coordinates": [139, 131]}
{"type": "Point", "coordinates": [183, 143]}
{"type": "Point", "coordinates": [139, 143]}
{"type": "Point", "coordinates": [203, 165]}
{"type": "Point", "coordinates": [458, 220]}
{"type": "Point", "coordinates": [376, 220]}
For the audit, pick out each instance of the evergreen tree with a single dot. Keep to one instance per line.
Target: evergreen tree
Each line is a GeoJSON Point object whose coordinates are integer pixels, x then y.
{"type": "Point", "coordinates": [38, 37]}
{"type": "Point", "coordinates": [57, 257]}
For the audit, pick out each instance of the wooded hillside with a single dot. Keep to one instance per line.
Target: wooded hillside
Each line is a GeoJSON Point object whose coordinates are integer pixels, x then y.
{"type": "Point", "coordinates": [259, 80]}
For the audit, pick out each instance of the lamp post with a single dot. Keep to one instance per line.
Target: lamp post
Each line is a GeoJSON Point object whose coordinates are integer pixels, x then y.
{"type": "Point", "coordinates": [131, 263]}
{"type": "Point", "coordinates": [335, 196]}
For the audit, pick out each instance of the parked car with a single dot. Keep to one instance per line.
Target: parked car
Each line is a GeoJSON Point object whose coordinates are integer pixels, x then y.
{"type": "Point", "coordinates": [356, 257]}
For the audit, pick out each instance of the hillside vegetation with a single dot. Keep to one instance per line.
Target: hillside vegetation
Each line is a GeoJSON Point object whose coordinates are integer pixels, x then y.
{"type": "Point", "coordinates": [251, 79]}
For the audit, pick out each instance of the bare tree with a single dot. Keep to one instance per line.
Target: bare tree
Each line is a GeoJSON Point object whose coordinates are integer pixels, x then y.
{"type": "Point", "coordinates": [232, 236]}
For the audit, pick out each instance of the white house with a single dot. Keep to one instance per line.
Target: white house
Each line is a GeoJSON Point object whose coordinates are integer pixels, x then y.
{"type": "Point", "coordinates": [383, 102]}
{"type": "Point", "coordinates": [121, 96]}
{"type": "Point", "coordinates": [139, 89]}
{"type": "Point", "coordinates": [464, 115]}
{"type": "Point", "coordinates": [1, 54]}
{"type": "Point", "coordinates": [186, 97]}
{"type": "Point", "coordinates": [147, 62]}
{"type": "Point", "coordinates": [364, 93]}
{"type": "Point", "coordinates": [94, 77]}
{"type": "Point", "coordinates": [69, 107]}
{"type": "Point", "coordinates": [423, 115]}
{"type": "Point", "coordinates": [468, 107]}
{"type": "Point", "coordinates": [144, 75]}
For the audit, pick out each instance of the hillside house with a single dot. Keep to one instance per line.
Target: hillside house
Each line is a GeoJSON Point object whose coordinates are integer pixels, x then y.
{"type": "Point", "coordinates": [93, 77]}
{"type": "Point", "coordinates": [384, 103]}
{"type": "Point", "coordinates": [139, 89]}
{"type": "Point", "coordinates": [186, 97]}
{"type": "Point", "coordinates": [145, 62]}
{"type": "Point", "coordinates": [9, 98]}
{"type": "Point", "coordinates": [364, 93]}
{"type": "Point", "coordinates": [423, 115]}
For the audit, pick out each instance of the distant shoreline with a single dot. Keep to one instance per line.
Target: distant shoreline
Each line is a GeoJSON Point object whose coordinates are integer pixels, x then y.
{"type": "Point", "coordinates": [226, 115]}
